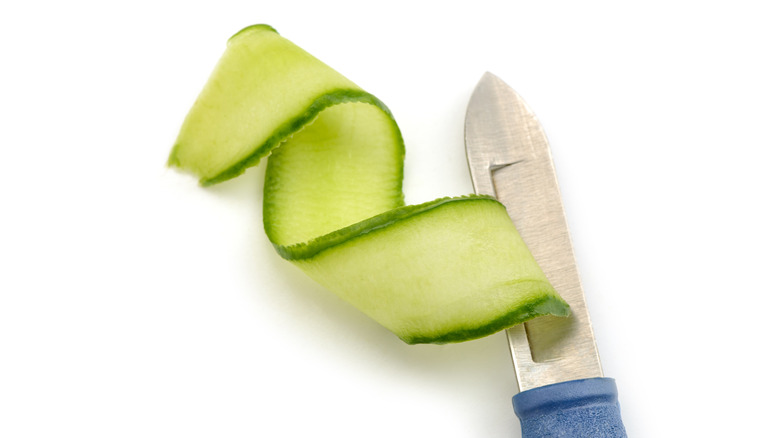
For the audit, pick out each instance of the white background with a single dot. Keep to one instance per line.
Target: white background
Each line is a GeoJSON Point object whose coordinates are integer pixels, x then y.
{"type": "Point", "coordinates": [135, 303]}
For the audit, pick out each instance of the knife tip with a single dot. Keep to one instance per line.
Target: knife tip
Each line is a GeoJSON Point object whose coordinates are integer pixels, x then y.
{"type": "Point", "coordinates": [490, 81]}
{"type": "Point", "coordinates": [488, 76]}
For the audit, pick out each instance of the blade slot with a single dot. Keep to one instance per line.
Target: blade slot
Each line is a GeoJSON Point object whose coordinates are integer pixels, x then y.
{"type": "Point", "coordinates": [546, 348]}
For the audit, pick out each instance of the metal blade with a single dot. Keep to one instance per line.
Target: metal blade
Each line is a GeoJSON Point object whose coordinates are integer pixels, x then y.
{"type": "Point", "coordinates": [509, 158]}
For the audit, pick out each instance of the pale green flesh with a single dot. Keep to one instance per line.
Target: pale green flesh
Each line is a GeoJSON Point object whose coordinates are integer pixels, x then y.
{"type": "Point", "coordinates": [451, 273]}
{"type": "Point", "coordinates": [345, 167]}
{"type": "Point", "coordinates": [243, 105]}
{"type": "Point", "coordinates": [444, 271]}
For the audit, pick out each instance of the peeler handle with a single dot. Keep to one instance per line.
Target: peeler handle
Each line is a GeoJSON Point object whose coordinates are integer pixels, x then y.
{"type": "Point", "coordinates": [585, 408]}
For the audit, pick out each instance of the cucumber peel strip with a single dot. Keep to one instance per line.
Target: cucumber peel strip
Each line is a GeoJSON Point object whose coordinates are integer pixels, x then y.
{"type": "Point", "coordinates": [448, 270]}
{"type": "Point", "coordinates": [284, 131]}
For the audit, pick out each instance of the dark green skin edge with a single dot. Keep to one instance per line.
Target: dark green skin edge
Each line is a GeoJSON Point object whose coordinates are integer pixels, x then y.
{"type": "Point", "coordinates": [319, 104]}
{"type": "Point", "coordinates": [547, 305]}
{"type": "Point", "coordinates": [305, 250]}
{"type": "Point", "coordinates": [254, 26]}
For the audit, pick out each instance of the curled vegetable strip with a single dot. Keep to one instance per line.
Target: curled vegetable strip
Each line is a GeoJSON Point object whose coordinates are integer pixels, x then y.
{"type": "Point", "coordinates": [448, 270]}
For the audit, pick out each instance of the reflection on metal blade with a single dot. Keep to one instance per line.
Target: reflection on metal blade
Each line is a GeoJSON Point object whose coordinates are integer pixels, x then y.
{"type": "Point", "coordinates": [509, 158]}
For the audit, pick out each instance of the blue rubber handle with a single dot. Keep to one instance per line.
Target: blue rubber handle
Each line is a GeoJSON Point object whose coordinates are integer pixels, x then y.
{"type": "Point", "coordinates": [574, 409]}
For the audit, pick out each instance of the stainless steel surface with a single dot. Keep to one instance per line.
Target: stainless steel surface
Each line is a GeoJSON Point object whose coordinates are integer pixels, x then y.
{"type": "Point", "coordinates": [509, 158]}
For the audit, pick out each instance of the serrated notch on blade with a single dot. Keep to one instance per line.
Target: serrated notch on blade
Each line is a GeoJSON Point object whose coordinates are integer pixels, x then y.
{"type": "Point", "coordinates": [509, 158]}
